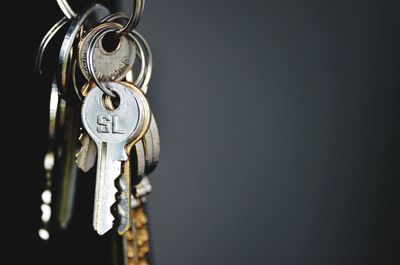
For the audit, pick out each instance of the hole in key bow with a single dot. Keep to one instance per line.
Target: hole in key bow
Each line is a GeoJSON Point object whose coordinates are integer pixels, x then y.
{"type": "Point", "coordinates": [110, 42]}
{"type": "Point", "coordinates": [110, 103]}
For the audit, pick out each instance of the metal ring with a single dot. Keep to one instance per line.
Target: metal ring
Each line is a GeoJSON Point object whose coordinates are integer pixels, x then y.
{"type": "Point", "coordinates": [146, 62]}
{"type": "Point", "coordinates": [89, 60]}
{"type": "Point", "coordinates": [142, 57]}
{"type": "Point", "coordinates": [137, 13]}
{"type": "Point", "coordinates": [149, 67]}
{"type": "Point", "coordinates": [143, 85]}
{"type": "Point", "coordinates": [66, 9]}
{"type": "Point", "coordinates": [46, 40]}
{"type": "Point", "coordinates": [74, 82]}
{"type": "Point", "coordinates": [114, 16]}
{"type": "Point", "coordinates": [65, 55]}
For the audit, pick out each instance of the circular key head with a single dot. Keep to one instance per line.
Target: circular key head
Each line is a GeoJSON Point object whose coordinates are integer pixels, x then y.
{"type": "Point", "coordinates": [110, 63]}
{"type": "Point", "coordinates": [119, 125]}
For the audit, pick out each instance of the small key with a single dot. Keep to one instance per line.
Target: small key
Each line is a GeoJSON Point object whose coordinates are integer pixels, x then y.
{"type": "Point", "coordinates": [86, 157]}
{"type": "Point", "coordinates": [151, 143]}
{"type": "Point", "coordinates": [68, 168]}
{"type": "Point", "coordinates": [113, 131]}
{"type": "Point", "coordinates": [52, 157]}
{"type": "Point", "coordinates": [108, 65]}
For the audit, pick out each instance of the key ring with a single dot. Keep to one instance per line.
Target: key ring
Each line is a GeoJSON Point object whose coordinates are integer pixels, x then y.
{"type": "Point", "coordinates": [46, 40]}
{"type": "Point", "coordinates": [145, 69]}
{"type": "Point", "coordinates": [137, 13]}
{"type": "Point", "coordinates": [143, 49]}
{"type": "Point", "coordinates": [66, 9]}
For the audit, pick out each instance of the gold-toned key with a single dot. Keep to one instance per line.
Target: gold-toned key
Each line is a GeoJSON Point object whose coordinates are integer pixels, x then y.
{"type": "Point", "coordinates": [136, 240]}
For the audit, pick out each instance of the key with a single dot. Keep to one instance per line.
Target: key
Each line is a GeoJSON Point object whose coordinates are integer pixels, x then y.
{"type": "Point", "coordinates": [52, 158]}
{"type": "Point", "coordinates": [135, 243]}
{"type": "Point", "coordinates": [86, 157]}
{"type": "Point", "coordinates": [111, 64]}
{"type": "Point", "coordinates": [68, 168]}
{"type": "Point", "coordinates": [137, 158]}
{"type": "Point", "coordinates": [114, 132]}
{"type": "Point", "coordinates": [142, 157]}
{"type": "Point", "coordinates": [133, 248]}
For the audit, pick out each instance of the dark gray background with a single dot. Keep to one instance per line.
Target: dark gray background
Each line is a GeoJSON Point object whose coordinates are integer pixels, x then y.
{"type": "Point", "coordinates": [279, 131]}
{"type": "Point", "coordinates": [279, 124]}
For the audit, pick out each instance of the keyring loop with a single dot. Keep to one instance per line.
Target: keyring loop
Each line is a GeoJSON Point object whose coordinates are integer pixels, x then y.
{"type": "Point", "coordinates": [89, 61]}
{"type": "Point", "coordinates": [146, 69]}
{"type": "Point", "coordinates": [46, 40]}
{"type": "Point", "coordinates": [149, 67]}
{"type": "Point", "coordinates": [144, 76]}
{"type": "Point", "coordinates": [137, 13]}
{"type": "Point", "coordinates": [66, 9]}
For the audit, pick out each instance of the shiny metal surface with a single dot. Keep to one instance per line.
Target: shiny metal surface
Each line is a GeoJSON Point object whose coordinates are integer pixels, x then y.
{"type": "Point", "coordinates": [137, 13]}
{"type": "Point", "coordinates": [50, 159]}
{"type": "Point", "coordinates": [66, 9]}
{"type": "Point", "coordinates": [124, 203]}
{"type": "Point", "coordinates": [108, 66]}
{"type": "Point", "coordinates": [152, 146]}
{"type": "Point", "coordinates": [86, 157]}
{"type": "Point", "coordinates": [81, 23]}
{"type": "Point", "coordinates": [144, 53]}
{"type": "Point", "coordinates": [146, 68]}
{"type": "Point", "coordinates": [46, 40]}
{"type": "Point", "coordinates": [113, 131]}
{"type": "Point", "coordinates": [67, 166]}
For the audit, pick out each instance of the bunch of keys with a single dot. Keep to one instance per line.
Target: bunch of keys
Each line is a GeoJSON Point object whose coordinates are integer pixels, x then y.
{"type": "Point", "coordinates": [99, 115]}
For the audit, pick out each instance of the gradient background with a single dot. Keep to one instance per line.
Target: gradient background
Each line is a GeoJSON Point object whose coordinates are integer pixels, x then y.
{"type": "Point", "coordinates": [279, 125]}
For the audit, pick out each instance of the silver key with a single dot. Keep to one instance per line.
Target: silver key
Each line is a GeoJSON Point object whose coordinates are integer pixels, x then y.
{"type": "Point", "coordinates": [52, 157]}
{"type": "Point", "coordinates": [108, 65]}
{"type": "Point", "coordinates": [86, 157]}
{"type": "Point", "coordinates": [112, 131]}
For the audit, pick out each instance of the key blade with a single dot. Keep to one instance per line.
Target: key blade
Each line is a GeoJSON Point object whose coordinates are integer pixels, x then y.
{"type": "Point", "coordinates": [108, 171]}
{"type": "Point", "coordinates": [86, 157]}
{"type": "Point", "coordinates": [68, 167]}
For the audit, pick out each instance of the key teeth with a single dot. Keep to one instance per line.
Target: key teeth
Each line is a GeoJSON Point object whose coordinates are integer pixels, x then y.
{"type": "Point", "coordinates": [120, 209]}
